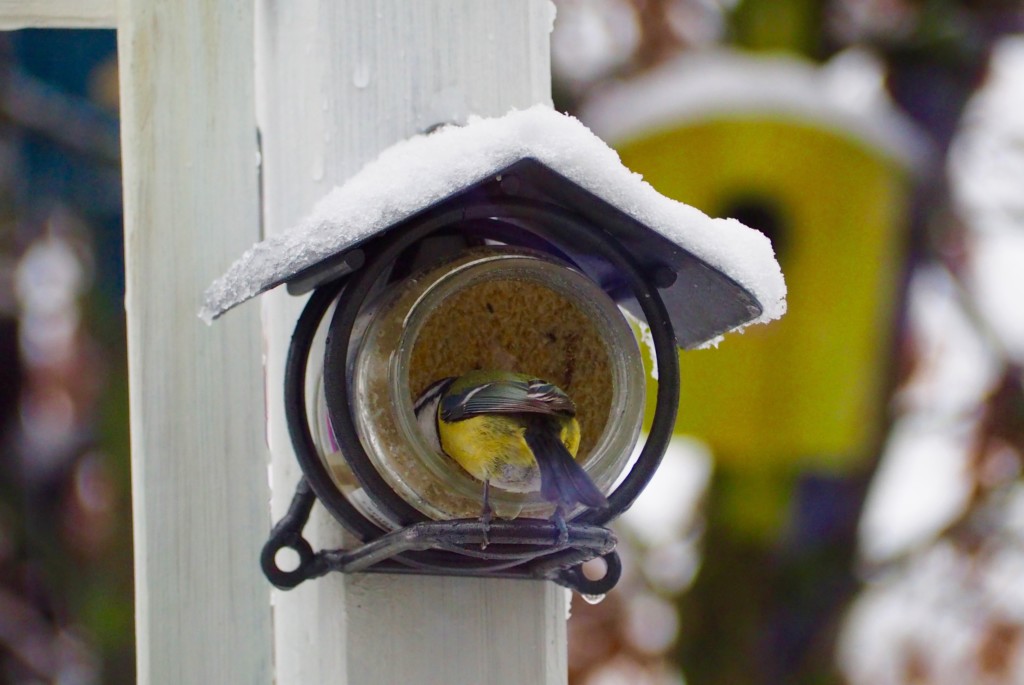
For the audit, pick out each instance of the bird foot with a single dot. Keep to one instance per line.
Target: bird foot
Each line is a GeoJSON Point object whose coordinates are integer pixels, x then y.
{"type": "Point", "coordinates": [486, 515]}
{"type": "Point", "coordinates": [563, 530]}
{"type": "Point", "coordinates": [485, 518]}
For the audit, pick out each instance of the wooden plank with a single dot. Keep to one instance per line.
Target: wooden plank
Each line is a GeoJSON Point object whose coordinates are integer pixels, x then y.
{"type": "Point", "coordinates": [199, 461]}
{"type": "Point", "coordinates": [337, 81]}
{"type": "Point", "coordinates": [69, 14]}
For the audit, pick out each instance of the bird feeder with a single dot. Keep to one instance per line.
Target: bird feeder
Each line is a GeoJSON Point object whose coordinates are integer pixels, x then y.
{"type": "Point", "coordinates": [519, 244]}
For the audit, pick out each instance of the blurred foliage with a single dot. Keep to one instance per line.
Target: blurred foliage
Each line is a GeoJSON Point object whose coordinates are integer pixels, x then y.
{"type": "Point", "coordinates": [789, 25]}
{"type": "Point", "coordinates": [780, 561]}
{"type": "Point", "coordinates": [66, 610]}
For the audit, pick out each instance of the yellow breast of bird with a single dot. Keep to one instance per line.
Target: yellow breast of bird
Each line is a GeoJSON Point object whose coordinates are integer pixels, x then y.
{"type": "Point", "coordinates": [493, 448]}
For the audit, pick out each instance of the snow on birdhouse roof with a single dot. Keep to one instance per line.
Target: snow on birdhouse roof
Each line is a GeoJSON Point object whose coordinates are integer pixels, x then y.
{"type": "Point", "coordinates": [420, 171]}
{"type": "Point", "coordinates": [847, 95]}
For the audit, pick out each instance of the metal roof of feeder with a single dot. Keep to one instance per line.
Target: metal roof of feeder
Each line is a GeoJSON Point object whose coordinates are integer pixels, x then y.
{"type": "Point", "coordinates": [715, 275]}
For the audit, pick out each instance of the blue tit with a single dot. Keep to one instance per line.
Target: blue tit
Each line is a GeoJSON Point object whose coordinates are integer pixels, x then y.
{"type": "Point", "coordinates": [512, 431]}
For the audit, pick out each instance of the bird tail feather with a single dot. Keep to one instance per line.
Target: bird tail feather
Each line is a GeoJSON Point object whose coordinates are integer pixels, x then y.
{"type": "Point", "coordinates": [562, 480]}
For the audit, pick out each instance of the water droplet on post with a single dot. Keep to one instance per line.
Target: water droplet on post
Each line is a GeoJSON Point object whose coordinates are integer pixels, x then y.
{"type": "Point", "coordinates": [361, 76]}
{"type": "Point", "coordinates": [317, 171]}
{"type": "Point", "coordinates": [593, 599]}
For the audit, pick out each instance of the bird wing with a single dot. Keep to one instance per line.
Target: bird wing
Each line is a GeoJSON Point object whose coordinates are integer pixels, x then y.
{"type": "Point", "coordinates": [507, 396]}
{"type": "Point", "coordinates": [430, 396]}
{"type": "Point", "coordinates": [425, 410]}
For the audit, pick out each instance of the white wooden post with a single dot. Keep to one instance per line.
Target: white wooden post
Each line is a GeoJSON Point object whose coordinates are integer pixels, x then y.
{"type": "Point", "coordinates": [337, 81]}
{"type": "Point", "coordinates": [199, 459]}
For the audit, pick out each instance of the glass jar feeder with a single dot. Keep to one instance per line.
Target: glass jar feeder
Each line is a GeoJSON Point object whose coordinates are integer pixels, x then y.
{"type": "Point", "coordinates": [497, 308]}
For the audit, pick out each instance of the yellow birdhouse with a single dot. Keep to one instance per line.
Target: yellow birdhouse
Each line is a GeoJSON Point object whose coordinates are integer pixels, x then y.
{"type": "Point", "coordinates": [817, 159]}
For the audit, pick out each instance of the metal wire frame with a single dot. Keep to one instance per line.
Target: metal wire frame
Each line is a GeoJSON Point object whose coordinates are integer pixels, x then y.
{"type": "Point", "coordinates": [521, 548]}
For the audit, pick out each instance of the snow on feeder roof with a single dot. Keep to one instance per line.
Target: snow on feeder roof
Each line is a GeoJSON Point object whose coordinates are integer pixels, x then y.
{"type": "Point", "coordinates": [723, 275]}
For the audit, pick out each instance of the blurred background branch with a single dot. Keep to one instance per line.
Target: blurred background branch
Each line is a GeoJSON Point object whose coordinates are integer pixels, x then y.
{"type": "Point", "coordinates": [65, 530]}
{"type": "Point", "coordinates": [884, 421]}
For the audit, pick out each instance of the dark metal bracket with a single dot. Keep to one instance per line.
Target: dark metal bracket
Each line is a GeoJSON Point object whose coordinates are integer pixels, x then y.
{"type": "Point", "coordinates": [523, 548]}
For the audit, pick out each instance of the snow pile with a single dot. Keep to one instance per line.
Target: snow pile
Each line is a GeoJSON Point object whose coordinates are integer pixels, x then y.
{"type": "Point", "coordinates": [952, 614]}
{"type": "Point", "coordinates": [923, 483]}
{"type": "Point", "coordinates": [592, 38]}
{"type": "Point", "coordinates": [417, 172]}
{"type": "Point", "coordinates": [986, 171]}
{"type": "Point", "coordinates": [933, 457]}
{"type": "Point", "coordinates": [986, 163]}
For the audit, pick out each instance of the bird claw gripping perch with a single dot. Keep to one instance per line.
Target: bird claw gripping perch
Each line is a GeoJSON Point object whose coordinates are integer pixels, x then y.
{"type": "Point", "coordinates": [523, 548]}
